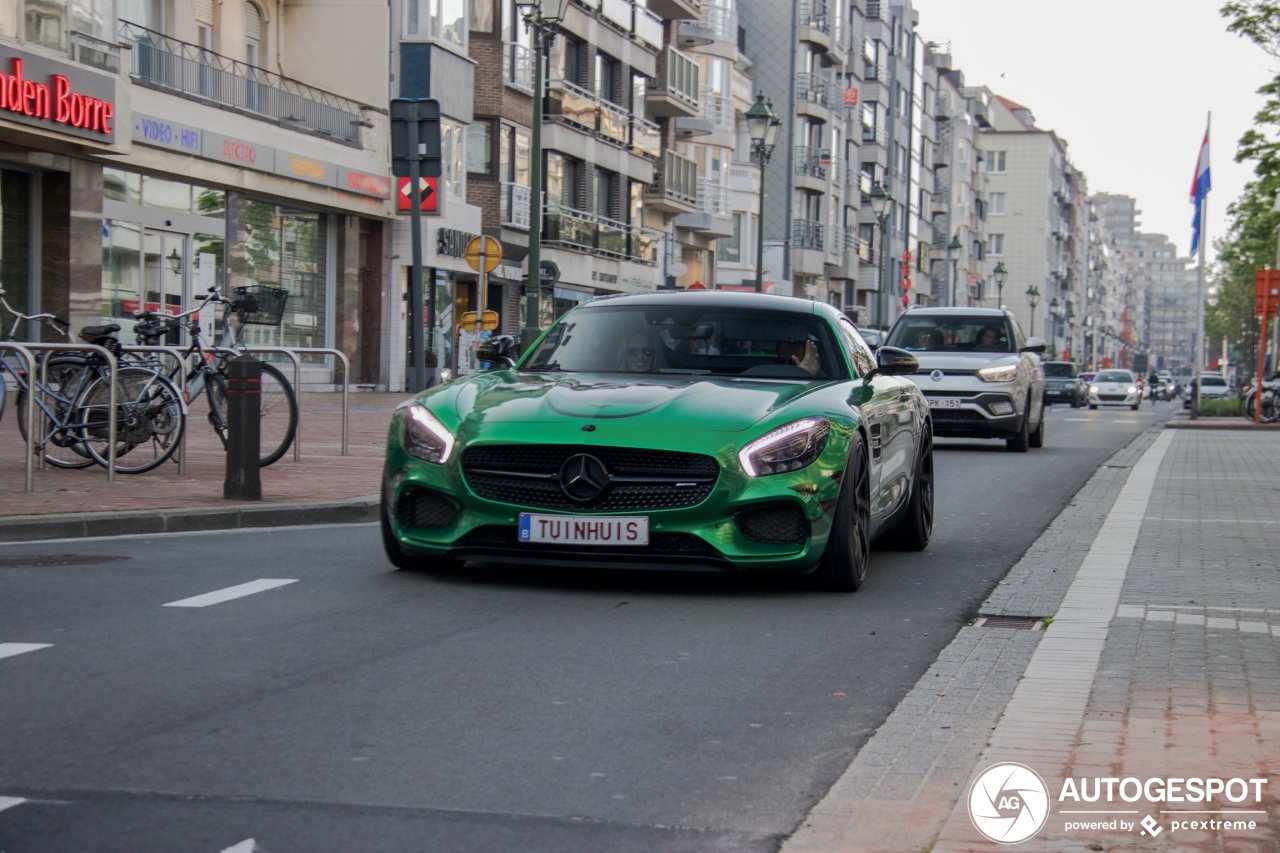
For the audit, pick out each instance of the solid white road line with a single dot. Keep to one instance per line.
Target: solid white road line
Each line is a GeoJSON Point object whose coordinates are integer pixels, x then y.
{"type": "Point", "coordinates": [231, 592]}
{"type": "Point", "coordinates": [10, 649]}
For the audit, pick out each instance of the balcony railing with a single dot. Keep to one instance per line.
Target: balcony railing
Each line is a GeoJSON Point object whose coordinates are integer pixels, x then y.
{"type": "Point", "coordinates": [633, 19]}
{"type": "Point", "coordinates": [813, 14]}
{"type": "Point", "coordinates": [676, 179]}
{"type": "Point", "coordinates": [713, 197]}
{"type": "Point", "coordinates": [717, 109]}
{"type": "Point", "coordinates": [191, 70]}
{"type": "Point", "coordinates": [839, 172]}
{"type": "Point", "coordinates": [812, 88]}
{"type": "Point", "coordinates": [722, 20]}
{"type": "Point", "coordinates": [573, 104]}
{"type": "Point", "coordinates": [580, 229]}
{"type": "Point", "coordinates": [678, 78]}
{"type": "Point", "coordinates": [515, 205]}
{"type": "Point", "coordinates": [646, 138]}
{"type": "Point", "coordinates": [517, 67]}
{"type": "Point", "coordinates": [876, 135]}
{"type": "Point", "coordinates": [806, 234]}
{"type": "Point", "coordinates": [615, 122]}
{"type": "Point", "coordinates": [808, 161]}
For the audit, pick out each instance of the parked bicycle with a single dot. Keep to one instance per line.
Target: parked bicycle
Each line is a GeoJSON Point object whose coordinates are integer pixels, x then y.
{"type": "Point", "coordinates": [72, 390]}
{"type": "Point", "coordinates": [1270, 400]}
{"type": "Point", "coordinates": [206, 367]}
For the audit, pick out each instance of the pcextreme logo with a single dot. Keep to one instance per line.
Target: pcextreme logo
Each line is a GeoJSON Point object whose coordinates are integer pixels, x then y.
{"type": "Point", "coordinates": [1008, 803]}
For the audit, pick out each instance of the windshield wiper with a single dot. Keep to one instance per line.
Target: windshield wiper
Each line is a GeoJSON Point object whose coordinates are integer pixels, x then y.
{"type": "Point", "coordinates": [539, 368]}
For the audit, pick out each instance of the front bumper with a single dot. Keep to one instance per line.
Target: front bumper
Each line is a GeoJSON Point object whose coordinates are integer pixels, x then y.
{"type": "Point", "coordinates": [1114, 399]}
{"type": "Point", "coordinates": [973, 414]}
{"type": "Point", "coordinates": [776, 523]}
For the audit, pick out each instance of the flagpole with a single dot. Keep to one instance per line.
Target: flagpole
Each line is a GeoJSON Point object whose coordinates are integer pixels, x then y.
{"type": "Point", "coordinates": [1199, 340]}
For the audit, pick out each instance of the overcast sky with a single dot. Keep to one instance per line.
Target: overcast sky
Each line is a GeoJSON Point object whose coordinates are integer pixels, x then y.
{"type": "Point", "coordinates": [1129, 84]}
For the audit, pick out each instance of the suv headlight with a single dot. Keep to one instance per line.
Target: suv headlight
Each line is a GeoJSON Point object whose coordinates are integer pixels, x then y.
{"type": "Point", "coordinates": [787, 448]}
{"type": "Point", "coordinates": [1005, 373]}
{"type": "Point", "coordinates": [425, 437]}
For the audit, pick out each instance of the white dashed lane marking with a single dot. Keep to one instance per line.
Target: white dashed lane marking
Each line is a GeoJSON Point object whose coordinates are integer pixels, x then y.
{"type": "Point", "coordinates": [232, 592]}
{"type": "Point", "coordinates": [10, 649]}
{"type": "Point", "coordinates": [10, 802]}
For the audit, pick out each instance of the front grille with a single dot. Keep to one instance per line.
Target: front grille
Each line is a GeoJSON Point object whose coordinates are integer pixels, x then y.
{"type": "Point", "coordinates": [940, 415]}
{"type": "Point", "coordinates": [774, 524]}
{"type": "Point", "coordinates": [1113, 398]}
{"type": "Point", "coordinates": [638, 479]}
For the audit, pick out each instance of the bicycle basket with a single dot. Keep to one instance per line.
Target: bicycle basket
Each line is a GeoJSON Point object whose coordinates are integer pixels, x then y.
{"type": "Point", "coordinates": [260, 305]}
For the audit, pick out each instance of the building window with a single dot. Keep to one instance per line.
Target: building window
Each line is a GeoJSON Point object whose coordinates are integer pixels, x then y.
{"type": "Point", "coordinates": [442, 20]}
{"type": "Point", "coordinates": [997, 244]}
{"type": "Point", "coordinates": [480, 147]}
{"type": "Point", "coordinates": [451, 156]}
{"type": "Point", "coordinates": [608, 78]}
{"type": "Point", "coordinates": [252, 34]}
{"type": "Point", "coordinates": [995, 161]}
{"type": "Point", "coordinates": [996, 203]}
{"type": "Point", "coordinates": [729, 249]}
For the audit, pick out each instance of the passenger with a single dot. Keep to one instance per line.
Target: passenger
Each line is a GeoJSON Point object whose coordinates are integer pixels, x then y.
{"type": "Point", "coordinates": [640, 354]}
{"type": "Point", "coordinates": [989, 339]}
{"type": "Point", "coordinates": [928, 339]}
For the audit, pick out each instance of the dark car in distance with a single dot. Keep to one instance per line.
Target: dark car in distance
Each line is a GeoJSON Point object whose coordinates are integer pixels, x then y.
{"type": "Point", "coordinates": [1062, 384]}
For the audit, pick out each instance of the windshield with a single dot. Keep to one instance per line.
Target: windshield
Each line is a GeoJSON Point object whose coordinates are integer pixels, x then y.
{"type": "Point", "coordinates": [1212, 380]}
{"type": "Point", "coordinates": [965, 333]}
{"type": "Point", "coordinates": [1063, 370]}
{"type": "Point", "coordinates": [1114, 376]}
{"type": "Point", "coordinates": [686, 339]}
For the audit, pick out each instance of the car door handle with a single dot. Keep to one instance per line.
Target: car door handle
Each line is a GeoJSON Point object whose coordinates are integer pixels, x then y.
{"type": "Point", "coordinates": [904, 396]}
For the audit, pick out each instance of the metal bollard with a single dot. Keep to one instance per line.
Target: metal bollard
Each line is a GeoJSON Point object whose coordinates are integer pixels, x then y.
{"type": "Point", "coordinates": [244, 421]}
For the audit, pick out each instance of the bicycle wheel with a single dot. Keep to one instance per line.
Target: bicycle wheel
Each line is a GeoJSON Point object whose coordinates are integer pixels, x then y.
{"type": "Point", "coordinates": [1270, 411]}
{"type": "Point", "coordinates": [61, 445]}
{"type": "Point", "coordinates": [150, 419]}
{"type": "Point", "coordinates": [279, 421]}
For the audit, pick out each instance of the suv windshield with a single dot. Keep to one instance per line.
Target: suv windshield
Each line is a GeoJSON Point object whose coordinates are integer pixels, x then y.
{"type": "Point", "coordinates": [1114, 376]}
{"type": "Point", "coordinates": [961, 333]}
{"type": "Point", "coordinates": [1063, 370]}
{"type": "Point", "coordinates": [685, 339]}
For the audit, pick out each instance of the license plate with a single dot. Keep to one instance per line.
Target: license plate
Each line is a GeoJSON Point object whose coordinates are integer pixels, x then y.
{"type": "Point", "coordinates": [944, 402]}
{"type": "Point", "coordinates": [584, 530]}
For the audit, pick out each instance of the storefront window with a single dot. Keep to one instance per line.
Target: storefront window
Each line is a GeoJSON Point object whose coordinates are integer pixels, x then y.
{"type": "Point", "coordinates": [119, 185]}
{"type": "Point", "coordinates": [210, 202]}
{"type": "Point", "coordinates": [45, 22]}
{"type": "Point", "coordinates": [121, 268]}
{"type": "Point", "coordinates": [15, 234]}
{"type": "Point", "coordinates": [288, 249]}
{"type": "Point", "coordinates": [166, 195]}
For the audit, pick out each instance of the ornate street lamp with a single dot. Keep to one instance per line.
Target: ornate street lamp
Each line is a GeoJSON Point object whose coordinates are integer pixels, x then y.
{"type": "Point", "coordinates": [543, 19]}
{"type": "Point", "coordinates": [1033, 299]}
{"type": "Point", "coordinates": [1000, 275]}
{"type": "Point", "coordinates": [1055, 309]}
{"type": "Point", "coordinates": [763, 127]}
{"type": "Point", "coordinates": [882, 207]}
{"type": "Point", "coordinates": [175, 261]}
{"type": "Point", "coordinates": [954, 246]}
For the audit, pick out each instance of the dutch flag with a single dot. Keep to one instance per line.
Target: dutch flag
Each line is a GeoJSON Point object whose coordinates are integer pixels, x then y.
{"type": "Point", "coordinates": [1200, 189]}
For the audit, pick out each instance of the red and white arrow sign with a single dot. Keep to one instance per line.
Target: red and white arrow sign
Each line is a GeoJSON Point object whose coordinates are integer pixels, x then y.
{"type": "Point", "coordinates": [430, 195]}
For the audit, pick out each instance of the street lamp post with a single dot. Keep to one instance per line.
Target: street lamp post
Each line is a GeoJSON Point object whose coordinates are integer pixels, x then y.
{"type": "Point", "coordinates": [953, 246]}
{"type": "Point", "coordinates": [762, 126]}
{"type": "Point", "coordinates": [1055, 310]}
{"type": "Point", "coordinates": [882, 206]}
{"type": "Point", "coordinates": [1033, 299]}
{"type": "Point", "coordinates": [1000, 274]}
{"type": "Point", "coordinates": [543, 22]}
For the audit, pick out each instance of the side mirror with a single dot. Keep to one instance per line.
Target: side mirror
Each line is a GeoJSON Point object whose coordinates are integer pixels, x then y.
{"type": "Point", "coordinates": [500, 348]}
{"type": "Point", "coordinates": [892, 361]}
{"type": "Point", "coordinates": [1035, 345]}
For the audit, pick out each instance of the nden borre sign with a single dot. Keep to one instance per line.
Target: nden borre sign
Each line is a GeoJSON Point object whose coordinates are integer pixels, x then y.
{"type": "Point", "coordinates": [56, 101]}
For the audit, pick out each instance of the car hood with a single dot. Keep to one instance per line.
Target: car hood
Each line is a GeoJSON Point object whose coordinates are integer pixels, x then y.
{"type": "Point", "coordinates": [683, 403]}
{"type": "Point", "coordinates": [962, 361]}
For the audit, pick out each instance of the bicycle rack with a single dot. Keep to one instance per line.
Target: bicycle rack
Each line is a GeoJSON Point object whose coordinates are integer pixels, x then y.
{"type": "Point", "coordinates": [293, 353]}
{"type": "Point", "coordinates": [176, 353]}
{"type": "Point", "coordinates": [24, 350]}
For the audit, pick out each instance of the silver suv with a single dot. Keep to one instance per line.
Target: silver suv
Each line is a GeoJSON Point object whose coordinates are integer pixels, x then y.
{"type": "Point", "coordinates": [981, 375]}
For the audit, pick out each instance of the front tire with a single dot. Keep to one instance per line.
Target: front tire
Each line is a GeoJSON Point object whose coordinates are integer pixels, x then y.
{"type": "Point", "coordinates": [844, 561]}
{"type": "Point", "coordinates": [1037, 437]}
{"type": "Point", "coordinates": [1021, 441]}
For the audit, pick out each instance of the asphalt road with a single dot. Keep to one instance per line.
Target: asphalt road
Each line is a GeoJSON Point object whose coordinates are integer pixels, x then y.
{"type": "Point", "coordinates": [360, 708]}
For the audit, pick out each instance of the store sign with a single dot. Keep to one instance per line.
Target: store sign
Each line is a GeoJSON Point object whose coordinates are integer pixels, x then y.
{"type": "Point", "coordinates": [42, 92]}
{"type": "Point", "coordinates": [160, 133]}
{"type": "Point", "coordinates": [452, 243]}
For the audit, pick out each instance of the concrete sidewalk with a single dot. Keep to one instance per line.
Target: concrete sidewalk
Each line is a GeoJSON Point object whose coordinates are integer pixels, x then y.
{"type": "Point", "coordinates": [1143, 647]}
{"type": "Point", "coordinates": [321, 486]}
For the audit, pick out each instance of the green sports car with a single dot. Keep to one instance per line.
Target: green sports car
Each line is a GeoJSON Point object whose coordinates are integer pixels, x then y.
{"type": "Point", "coordinates": [689, 430]}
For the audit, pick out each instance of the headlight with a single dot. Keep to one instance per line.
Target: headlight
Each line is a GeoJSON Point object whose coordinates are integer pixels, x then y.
{"type": "Point", "coordinates": [787, 448]}
{"type": "Point", "coordinates": [1133, 389]}
{"type": "Point", "coordinates": [1008, 373]}
{"type": "Point", "coordinates": [424, 436]}
{"type": "Point", "coordinates": [1093, 389]}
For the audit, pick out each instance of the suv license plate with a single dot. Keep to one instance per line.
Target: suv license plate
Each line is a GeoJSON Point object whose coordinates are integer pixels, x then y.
{"type": "Point", "coordinates": [944, 402]}
{"type": "Point", "coordinates": [584, 530]}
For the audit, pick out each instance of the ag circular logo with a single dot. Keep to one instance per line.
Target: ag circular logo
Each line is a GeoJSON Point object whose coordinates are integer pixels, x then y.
{"type": "Point", "coordinates": [1008, 803]}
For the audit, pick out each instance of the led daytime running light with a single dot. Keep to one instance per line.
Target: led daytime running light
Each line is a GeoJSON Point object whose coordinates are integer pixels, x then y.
{"type": "Point", "coordinates": [418, 420]}
{"type": "Point", "coordinates": [816, 426]}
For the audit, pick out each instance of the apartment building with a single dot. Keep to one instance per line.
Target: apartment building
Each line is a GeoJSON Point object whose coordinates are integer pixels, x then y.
{"type": "Point", "coordinates": [1030, 221]}
{"type": "Point", "coordinates": [150, 150]}
{"type": "Point", "coordinates": [1116, 319]}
